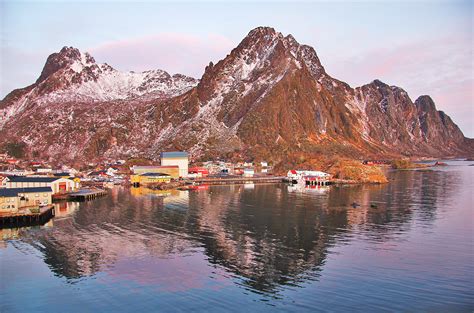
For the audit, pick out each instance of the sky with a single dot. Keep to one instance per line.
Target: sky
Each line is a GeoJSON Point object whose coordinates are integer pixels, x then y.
{"type": "Point", "coordinates": [425, 47]}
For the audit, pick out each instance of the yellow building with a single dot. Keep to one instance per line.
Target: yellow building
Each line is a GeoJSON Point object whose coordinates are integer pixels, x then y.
{"type": "Point", "coordinates": [13, 199]}
{"type": "Point", "coordinates": [149, 178]}
{"type": "Point", "coordinates": [172, 170]}
{"type": "Point", "coordinates": [8, 200]}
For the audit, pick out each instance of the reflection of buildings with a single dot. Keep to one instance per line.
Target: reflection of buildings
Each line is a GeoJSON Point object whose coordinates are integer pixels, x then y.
{"type": "Point", "coordinates": [269, 236]}
{"type": "Point", "coordinates": [313, 189]}
{"type": "Point", "coordinates": [8, 234]}
{"type": "Point", "coordinates": [65, 209]}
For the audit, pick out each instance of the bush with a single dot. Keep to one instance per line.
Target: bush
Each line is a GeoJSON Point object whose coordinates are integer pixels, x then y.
{"type": "Point", "coordinates": [34, 210]}
{"type": "Point", "coordinates": [405, 164]}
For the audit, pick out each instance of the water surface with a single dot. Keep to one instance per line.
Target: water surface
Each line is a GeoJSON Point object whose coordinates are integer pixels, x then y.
{"type": "Point", "coordinates": [408, 247]}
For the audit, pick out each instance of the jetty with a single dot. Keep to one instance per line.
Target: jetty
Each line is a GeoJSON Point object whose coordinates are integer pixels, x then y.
{"type": "Point", "coordinates": [86, 194]}
{"type": "Point", "coordinates": [237, 180]}
{"type": "Point", "coordinates": [28, 216]}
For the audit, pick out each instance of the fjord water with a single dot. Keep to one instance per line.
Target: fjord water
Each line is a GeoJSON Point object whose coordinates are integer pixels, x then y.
{"type": "Point", "coordinates": [249, 248]}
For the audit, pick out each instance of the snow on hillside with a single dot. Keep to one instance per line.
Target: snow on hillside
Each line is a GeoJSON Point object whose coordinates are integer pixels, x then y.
{"type": "Point", "coordinates": [101, 82]}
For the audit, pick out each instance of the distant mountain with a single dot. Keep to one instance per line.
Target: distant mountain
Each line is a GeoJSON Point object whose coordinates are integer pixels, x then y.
{"type": "Point", "coordinates": [270, 98]}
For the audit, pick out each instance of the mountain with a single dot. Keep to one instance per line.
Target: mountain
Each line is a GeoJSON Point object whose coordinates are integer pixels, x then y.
{"type": "Point", "coordinates": [269, 98]}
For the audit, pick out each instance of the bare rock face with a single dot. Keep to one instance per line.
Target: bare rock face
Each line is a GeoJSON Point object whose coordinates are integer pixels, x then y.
{"type": "Point", "coordinates": [270, 97]}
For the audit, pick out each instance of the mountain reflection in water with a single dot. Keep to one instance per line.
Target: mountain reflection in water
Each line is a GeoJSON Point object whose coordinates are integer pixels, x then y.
{"type": "Point", "coordinates": [266, 239]}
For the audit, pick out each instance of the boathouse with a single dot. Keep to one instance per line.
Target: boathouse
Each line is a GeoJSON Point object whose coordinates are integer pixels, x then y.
{"type": "Point", "coordinates": [296, 174]}
{"type": "Point", "coordinates": [57, 184]}
{"type": "Point", "coordinates": [177, 158]}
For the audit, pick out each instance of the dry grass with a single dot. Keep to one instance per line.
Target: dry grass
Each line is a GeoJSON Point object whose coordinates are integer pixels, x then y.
{"type": "Point", "coordinates": [340, 168]}
{"type": "Point", "coordinates": [358, 172]}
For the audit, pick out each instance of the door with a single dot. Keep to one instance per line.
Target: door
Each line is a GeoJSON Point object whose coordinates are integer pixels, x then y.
{"type": "Point", "coordinates": [62, 187]}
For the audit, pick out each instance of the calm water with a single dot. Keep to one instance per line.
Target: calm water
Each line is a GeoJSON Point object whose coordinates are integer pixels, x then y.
{"type": "Point", "coordinates": [253, 248]}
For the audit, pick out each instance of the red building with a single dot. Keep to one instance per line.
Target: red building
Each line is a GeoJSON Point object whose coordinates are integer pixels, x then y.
{"type": "Point", "coordinates": [198, 171]}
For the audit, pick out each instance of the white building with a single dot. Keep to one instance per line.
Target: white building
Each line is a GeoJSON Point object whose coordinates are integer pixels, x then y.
{"type": "Point", "coordinates": [248, 172]}
{"type": "Point", "coordinates": [44, 170]}
{"type": "Point", "coordinates": [295, 174]}
{"type": "Point", "coordinates": [177, 158]}
{"type": "Point", "coordinates": [111, 171]}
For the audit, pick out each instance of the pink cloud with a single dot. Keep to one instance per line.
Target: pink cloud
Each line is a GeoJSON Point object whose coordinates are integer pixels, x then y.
{"type": "Point", "coordinates": [440, 67]}
{"type": "Point", "coordinates": [173, 52]}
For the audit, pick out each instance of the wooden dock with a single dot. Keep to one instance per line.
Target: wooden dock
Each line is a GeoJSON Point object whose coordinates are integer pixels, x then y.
{"type": "Point", "coordinates": [86, 194]}
{"type": "Point", "coordinates": [27, 217]}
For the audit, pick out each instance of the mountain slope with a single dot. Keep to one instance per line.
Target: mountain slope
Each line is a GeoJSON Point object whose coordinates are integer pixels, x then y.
{"type": "Point", "coordinates": [269, 98]}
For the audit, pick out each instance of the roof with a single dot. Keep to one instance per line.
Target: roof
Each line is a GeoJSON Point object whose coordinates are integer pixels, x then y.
{"type": "Point", "coordinates": [197, 169]}
{"type": "Point", "coordinates": [61, 174]}
{"type": "Point", "coordinates": [95, 173]}
{"type": "Point", "coordinates": [155, 174]}
{"type": "Point", "coordinates": [174, 154]}
{"type": "Point", "coordinates": [31, 179]}
{"type": "Point", "coordinates": [13, 192]}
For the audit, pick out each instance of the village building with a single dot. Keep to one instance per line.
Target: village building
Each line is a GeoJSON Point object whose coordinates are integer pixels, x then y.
{"type": "Point", "coordinates": [172, 170]}
{"type": "Point", "coordinates": [248, 172]}
{"type": "Point", "coordinates": [112, 171]}
{"type": "Point", "coordinates": [57, 184]}
{"type": "Point", "coordinates": [17, 173]}
{"type": "Point", "coordinates": [98, 175]}
{"type": "Point", "coordinates": [179, 158]}
{"type": "Point", "coordinates": [198, 172]}
{"type": "Point", "coordinates": [13, 199]}
{"type": "Point", "coordinates": [296, 174]}
{"type": "Point", "coordinates": [149, 178]}
{"type": "Point", "coordinates": [44, 170]}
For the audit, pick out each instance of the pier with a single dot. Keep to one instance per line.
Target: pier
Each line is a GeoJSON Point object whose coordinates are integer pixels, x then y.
{"type": "Point", "coordinates": [238, 180]}
{"type": "Point", "coordinates": [27, 216]}
{"type": "Point", "coordinates": [87, 194]}
{"type": "Point", "coordinates": [316, 181]}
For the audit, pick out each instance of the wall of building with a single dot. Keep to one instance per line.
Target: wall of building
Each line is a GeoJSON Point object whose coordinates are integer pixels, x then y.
{"type": "Point", "coordinates": [172, 171]}
{"type": "Point", "coordinates": [144, 180]}
{"type": "Point", "coordinates": [26, 184]}
{"type": "Point", "coordinates": [70, 185]}
{"type": "Point", "coordinates": [8, 204]}
{"type": "Point", "coordinates": [181, 162]}
{"type": "Point", "coordinates": [34, 199]}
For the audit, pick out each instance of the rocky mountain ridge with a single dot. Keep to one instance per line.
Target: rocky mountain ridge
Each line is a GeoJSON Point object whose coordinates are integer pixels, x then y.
{"type": "Point", "coordinates": [269, 98]}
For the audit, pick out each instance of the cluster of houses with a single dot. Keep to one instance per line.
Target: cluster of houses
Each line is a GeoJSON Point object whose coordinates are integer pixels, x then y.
{"type": "Point", "coordinates": [175, 165]}
{"type": "Point", "coordinates": [23, 180]}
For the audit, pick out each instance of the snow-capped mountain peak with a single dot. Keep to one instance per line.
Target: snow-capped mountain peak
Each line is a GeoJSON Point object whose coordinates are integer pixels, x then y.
{"type": "Point", "coordinates": [72, 75]}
